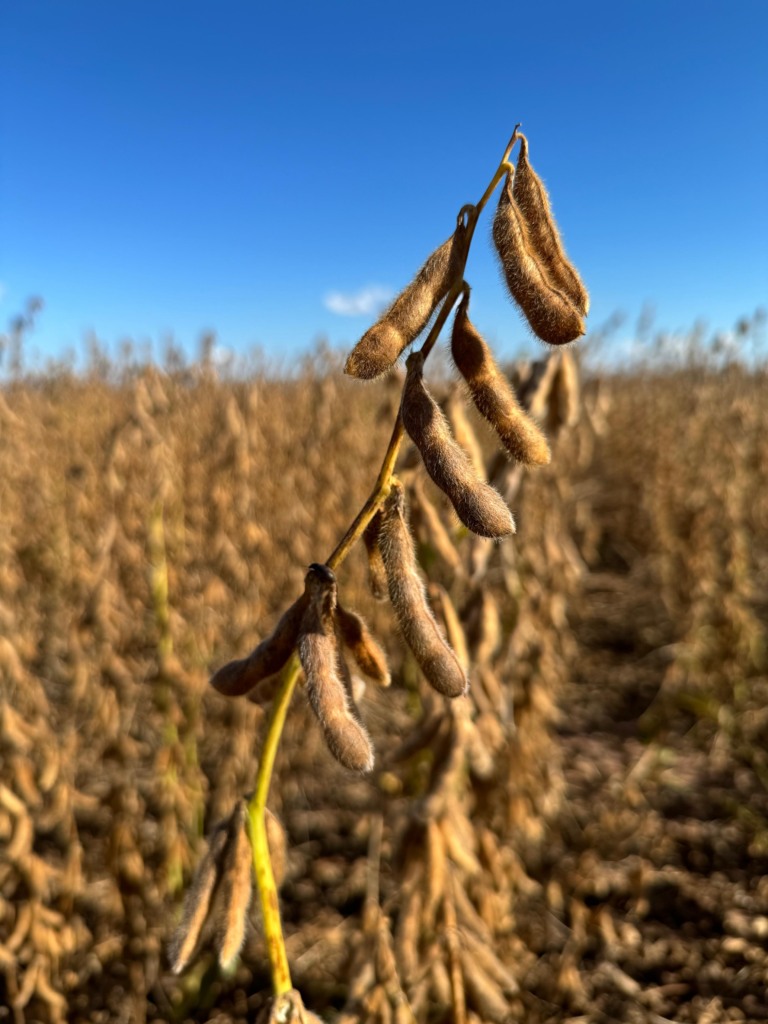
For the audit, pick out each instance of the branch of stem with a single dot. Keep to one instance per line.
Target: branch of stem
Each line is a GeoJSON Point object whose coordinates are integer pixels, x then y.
{"type": "Point", "coordinates": [257, 809]}
{"type": "Point", "coordinates": [265, 881]}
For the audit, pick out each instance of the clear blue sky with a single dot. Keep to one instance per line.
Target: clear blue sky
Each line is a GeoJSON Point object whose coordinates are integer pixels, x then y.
{"type": "Point", "coordinates": [256, 169]}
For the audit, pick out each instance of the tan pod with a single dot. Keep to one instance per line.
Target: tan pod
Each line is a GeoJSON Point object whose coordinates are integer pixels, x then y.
{"type": "Point", "coordinates": [493, 395]}
{"type": "Point", "coordinates": [381, 345]}
{"type": "Point", "coordinates": [533, 201]}
{"type": "Point", "coordinates": [481, 508]}
{"type": "Point", "coordinates": [237, 889]}
{"type": "Point", "coordinates": [550, 313]}
{"type": "Point", "coordinates": [406, 592]}
{"type": "Point", "coordinates": [377, 577]}
{"type": "Point", "coordinates": [238, 677]}
{"type": "Point", "coordinates": [368, 656]}
{"type": "Point", "coordinates": [319, 655]}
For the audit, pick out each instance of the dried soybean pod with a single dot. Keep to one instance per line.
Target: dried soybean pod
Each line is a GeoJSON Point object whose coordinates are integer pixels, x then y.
{"type": "Point", "coordinates": [349, 684]}
{"type": "Point", "coordinates": [477, 504]}
{"type": "Point", "coordinates": [377, 577]}
{"type": "Point", "coordinates": [238, 677]}
{"type": "Point", "coordinates": [264, 691]}
{"type": "Point", "coordinates": [493, 395]}
{"type": "Point", "coordinates": [237, 884]}
{"type": "Point", "coordinates": [197, 902]}
{"type": "Point", "coordinates": [486, 996]}
{"type": "Point", "coordinates": [532, 199]}
{"type": "Point", "coordinates": [381, 345]}
{"type": "Point", "coordinates": [319, 655]}
{"type": "Point", "coordinates": [358, 638]}
{"type": "Point", "coordinates": [550, 313]}
{"type": "Point", "coordinates": [406, 592]}
{"type": "Point", "coordinates": [564, 402]}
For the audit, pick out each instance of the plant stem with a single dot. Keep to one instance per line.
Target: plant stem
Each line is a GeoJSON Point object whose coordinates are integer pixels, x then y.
{"type": "Point", "coordinates": [265, 880]}
{"type": "Point", "coordinates": [381, 489]}
{"type": "Point", "coordinates": [257, 809]}
{"type": "Point", "coordinates": [378, 494]}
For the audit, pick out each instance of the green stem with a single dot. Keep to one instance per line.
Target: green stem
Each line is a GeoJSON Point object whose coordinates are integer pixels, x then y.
{"type": "Point", "coordinates": [377, 495]}
{"type": "Point", "coordinates": [257, 811]}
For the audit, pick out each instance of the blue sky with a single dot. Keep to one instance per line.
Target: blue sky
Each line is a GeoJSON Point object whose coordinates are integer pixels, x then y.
{"type": "Point", "coordinates": [265, 170]}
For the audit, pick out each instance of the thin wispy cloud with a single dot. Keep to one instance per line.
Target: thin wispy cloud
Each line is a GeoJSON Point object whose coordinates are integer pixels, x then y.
{"type": "Point", "coordinates": [363, 303]}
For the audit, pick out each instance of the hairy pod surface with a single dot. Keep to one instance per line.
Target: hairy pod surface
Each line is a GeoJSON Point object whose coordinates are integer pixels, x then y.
{"type": "Point", "coordinates": [263, 693]}
{"type": "Point", "coordinates": [409, 601]}
{"type": "Point", "coordinates": [377, 576]}
{"type": "Point", "coordinates": [368, 656]}
{"type": "Point", "coordinates": [493, 395]}
{"type": "Point", "coordinates": [381, 345]}
{"type": "Point", "coordinates": [237, 888]}
{"type": "Point", "coordinates": [349, 684]}
{"type": "Point", "coordinates": [481, 508]}
{"type": "Point", "coordinates": [550, 313]}
{"type": "Point", "coordinates": [198, 902]}
{"type": "Point", "coordinates": [532, 199]}
{"type": "Point", "coordinates": [319, 654]}
{"type": "Point", "coordinates": [238, 677]}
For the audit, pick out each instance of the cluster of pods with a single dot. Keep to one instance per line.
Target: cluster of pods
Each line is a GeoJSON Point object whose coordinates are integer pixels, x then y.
{"type": "Point", "coordinates": [550, 294]}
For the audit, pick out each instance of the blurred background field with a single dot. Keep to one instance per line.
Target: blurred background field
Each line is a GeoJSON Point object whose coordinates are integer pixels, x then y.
{"type": "Point", "coordinates": [586, 837]}
{"type": "Point", "coordinates": [154, 522]}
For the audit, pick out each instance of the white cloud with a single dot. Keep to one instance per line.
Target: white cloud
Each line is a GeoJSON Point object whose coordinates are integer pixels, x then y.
{"type": "Point", "coordinates": [363, 303]}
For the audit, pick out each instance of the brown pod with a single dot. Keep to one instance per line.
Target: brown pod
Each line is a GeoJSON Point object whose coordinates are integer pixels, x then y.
{"type": "Point", "coordinates": [406, 592]}
{"type": "Point", "coordinates": [377, 577]}
{"type": "Point", "coordinates": [550, 313]}
{"type": "Point", "coordinates": [357, 637]}
{"type": "Point", "coordinates": [533, 201]}
{"type": "Point", "coordinates": [564, 400]}
{"type": "Point", "coordinates": [349, 683]}
{"type": "Point", "coordinates": [477, 504]}
{"type": "Point", "coordinates": [319, 655]}
{"type": "Point", "coordinates": [198, 902]}
{"type": "Point", "coordinates": [264, 692]}
{"type": "Point", "coordinates": [493, 395]}
{"type": "Point", "coordinates": [238, 677]}
{"type": "Point", "coordinates": [381, 345]}
{"type": "Point", "coordinates": [237, 885]}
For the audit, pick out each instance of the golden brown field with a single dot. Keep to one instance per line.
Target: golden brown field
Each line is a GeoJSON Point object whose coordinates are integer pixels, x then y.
{"type": "Point", "coordinates": [584, 839]}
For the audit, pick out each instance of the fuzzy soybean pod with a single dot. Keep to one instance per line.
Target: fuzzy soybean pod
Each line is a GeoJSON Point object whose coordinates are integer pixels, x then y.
{"type": "Point", "coordinates": [381, 345]}
{"type": "Point", "coordinates": [532, 199]}
{"type": "Point", "coordinates": [550, 313]}
{"type": "Point", "coordinates": [356, 636]}
{"type": "Point", "coordinates": [477, 504]}
{"type": "Point", "coordinates": [237, 889]}
{"type": "Point", "coordinates": [319, 655]}
{"type": "Point", "coordinates": [199, 901]}
{"type": "Point", "coordinates": [409, 601]}
{"type": "Point", "coordinates": [493, 395]}
{"type": "Point", "coordinates": [377, 577]}
{"type": "Point", "coordinates": [238, 677]}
